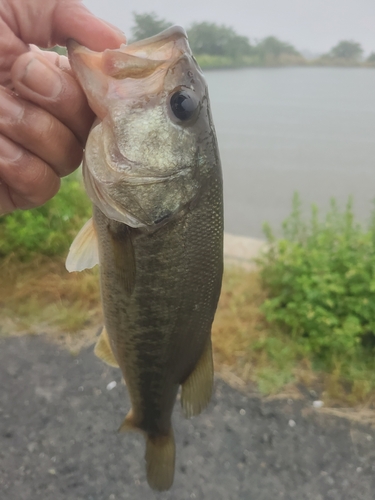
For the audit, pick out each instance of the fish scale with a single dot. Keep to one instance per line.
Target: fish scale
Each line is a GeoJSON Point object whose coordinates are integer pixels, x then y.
{"type": "Point", "coordinates": [152, 170]}
{"type": "Point", "coordinates": [178, 273]}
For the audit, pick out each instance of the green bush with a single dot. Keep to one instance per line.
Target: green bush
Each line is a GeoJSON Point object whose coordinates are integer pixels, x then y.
{"type": "Point", "coordinates": [47, 230]}
{"type": "Point", "coordinates": [320, 280]}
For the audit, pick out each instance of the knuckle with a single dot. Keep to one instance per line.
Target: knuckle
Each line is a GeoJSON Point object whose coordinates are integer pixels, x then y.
{"type": "Point", "coordinates": [45, 139]}
{"type": "Point", "coordinates": [31, 180]}
{"type": "Point", "coordinates": [74, 159]}
{"type": "Point", "coordinates": [54, 142]}
{"type": "Point", "coordinates": [42, 181]}
{"type": "Point", "coordinates": [6, 203]}
{"type": "Point", "coordinates": [43, 185]}
{"type": "Point", "coordinates": [43, 125]}
{"type": "Point", "coordinates": [39, 197]}
{"type": "Point", "coordinates": [68, 156]}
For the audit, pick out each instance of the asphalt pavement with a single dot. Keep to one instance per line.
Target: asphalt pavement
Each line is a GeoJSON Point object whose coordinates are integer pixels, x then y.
{"type": "Point", "coordinates": [58, 439]}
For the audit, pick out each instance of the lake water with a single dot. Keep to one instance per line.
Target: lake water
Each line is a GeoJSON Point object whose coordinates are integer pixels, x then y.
{"type": "Point", "coordinates": [287, 129]}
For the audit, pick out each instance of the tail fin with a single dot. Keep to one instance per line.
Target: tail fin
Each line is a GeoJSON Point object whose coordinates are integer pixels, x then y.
{"type": "Point", "coordinates": [160, 458]}
{"type": "Point", "coordinates": [160, 455]}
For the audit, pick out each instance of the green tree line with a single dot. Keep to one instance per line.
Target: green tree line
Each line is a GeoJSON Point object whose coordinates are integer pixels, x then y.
{"type": "Point", "coordinates": [219, 45]}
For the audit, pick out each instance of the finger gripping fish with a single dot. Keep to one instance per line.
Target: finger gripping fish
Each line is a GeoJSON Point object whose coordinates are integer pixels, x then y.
{"type": "Point", "coordinates": [152, 171]}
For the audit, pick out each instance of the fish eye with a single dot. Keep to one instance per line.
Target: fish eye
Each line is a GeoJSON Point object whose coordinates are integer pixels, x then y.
{"type": "Point", "coordinates": [184, 104]}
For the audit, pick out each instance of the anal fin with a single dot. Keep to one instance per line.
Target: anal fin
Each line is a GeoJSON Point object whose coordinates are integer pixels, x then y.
{"type": "Point", "coordinates": [129, 423]}
{"type": "Point", "coordinates": [103, 349]}
{"type": "Point", "coordinates": [197, 389]}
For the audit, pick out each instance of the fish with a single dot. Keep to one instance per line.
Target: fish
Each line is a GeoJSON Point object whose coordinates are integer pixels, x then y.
{"type": "Point", "coordinates": [152, 171]}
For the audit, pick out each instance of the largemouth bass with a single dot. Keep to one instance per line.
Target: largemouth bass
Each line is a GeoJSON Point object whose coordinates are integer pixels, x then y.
{"type": "Point", "coordinates": [152, 171]}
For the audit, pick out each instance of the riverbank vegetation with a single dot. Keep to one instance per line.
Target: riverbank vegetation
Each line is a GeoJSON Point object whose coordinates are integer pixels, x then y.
{"type": "Point", "coordinates": [319, 280]}
{"type": "Point", "coordinates": [219, 46]}
{"type": "Point", "coordinates": [305, 315]}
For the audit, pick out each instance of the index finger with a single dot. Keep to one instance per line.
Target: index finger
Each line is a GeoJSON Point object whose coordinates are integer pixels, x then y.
{"type": "Point", "coordinates": [75, 21]}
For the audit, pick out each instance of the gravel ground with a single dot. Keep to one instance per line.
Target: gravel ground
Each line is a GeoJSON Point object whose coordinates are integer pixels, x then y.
{"type": "Point", "coordinates": [58, 439]}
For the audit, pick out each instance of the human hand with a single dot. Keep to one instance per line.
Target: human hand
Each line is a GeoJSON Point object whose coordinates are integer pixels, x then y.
{"type": "Point", "coordinates": [44, 115]}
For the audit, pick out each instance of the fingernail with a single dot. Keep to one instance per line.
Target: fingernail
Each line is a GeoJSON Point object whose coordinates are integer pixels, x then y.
{"type": "Point", "coordinates": [9, 106]}
{"type": "Point", "coordinates": [42, 79]}
{"type": "Point", "coordinates": [115, 29]}
{"type": "Point", "coordinates": [9, 150]}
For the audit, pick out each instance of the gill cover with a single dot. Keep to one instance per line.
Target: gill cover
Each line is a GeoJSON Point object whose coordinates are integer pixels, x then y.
{"type": "Point", "coordinates": [143, 155]}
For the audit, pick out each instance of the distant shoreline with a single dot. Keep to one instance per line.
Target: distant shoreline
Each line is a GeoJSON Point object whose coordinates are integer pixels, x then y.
{"type": "Point", "coordinates": [207, 62]}
{"type": "Point", "coordinates": [280, 66]}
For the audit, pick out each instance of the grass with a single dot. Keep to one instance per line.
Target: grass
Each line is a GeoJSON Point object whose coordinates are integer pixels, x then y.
{"type": "Point", "coordinates": [41, 296]}
{"type": "Point", "coordinates": [319, 280]}
{"type": "Point", "coordinates": [264, 354]}
{"type": "Point", "coordinates": [264, 331]}
{"type": "Point", "coordinates": [47, 230]}
{"type": "Point", "coordinates": [241, 336]}
{"type": "Point", "coordinates": [244, 340]}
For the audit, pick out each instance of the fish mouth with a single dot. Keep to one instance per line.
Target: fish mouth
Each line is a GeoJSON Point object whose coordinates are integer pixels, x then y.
{"type": "Point", "coordinates": [168, 44]}
{"type": "Point", "coordinates": [136, 179]}
{"type": "Point", "coordinates": [104, 73]}
{"type": "Point", "coordinates": [140, 181]}
{"type": "Point", "coordinates": [136, 60]}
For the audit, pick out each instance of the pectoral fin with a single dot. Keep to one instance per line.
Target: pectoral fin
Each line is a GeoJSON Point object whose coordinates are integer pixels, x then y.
{"type": "Point", "coordinates": [197, 388]}
{"type": "Point", "coordinates": [103, 350]}
{"type": "Point", "coordinates": [83, 253]}
{"type": "Point", "coordinates": [123, 254]}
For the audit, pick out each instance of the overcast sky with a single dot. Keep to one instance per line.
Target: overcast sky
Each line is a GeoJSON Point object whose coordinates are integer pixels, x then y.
{"type": "Point", "coordinates": [314, 25]}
